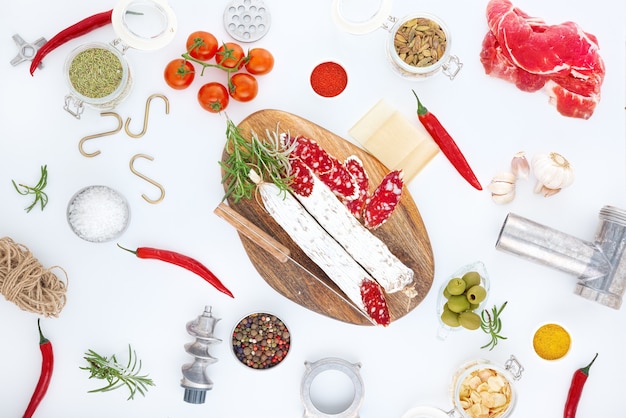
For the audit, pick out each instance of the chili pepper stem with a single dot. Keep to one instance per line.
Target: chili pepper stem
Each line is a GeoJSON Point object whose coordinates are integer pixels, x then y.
{"type": "Point", "coordinates": [585, 369]}
{"type": "Point", "coordinates": [42, 339]}
{"type": "Point", "coordinates": [127, 249]}
{"type": "Point", "coordinates": [421, 109]}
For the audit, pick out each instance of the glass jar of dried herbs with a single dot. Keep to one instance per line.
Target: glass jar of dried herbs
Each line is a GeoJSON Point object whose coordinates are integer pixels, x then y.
{"type": "Point", "coordinates": [98, 75]}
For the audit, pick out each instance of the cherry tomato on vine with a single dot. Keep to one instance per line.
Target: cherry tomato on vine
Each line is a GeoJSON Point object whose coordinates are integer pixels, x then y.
{"type": "Point", "coordinates": [260, 61]}
{"type": "Point", "coordinates": [243, 87]}
{"type": "Point", "coordinates": [206, 50]}
{"type": "Point", "coordinates": [179, 73]}
{"type": "Point", "coordinates": [213, 97]}
{"type": "Point", "coordinates": [230, 55]}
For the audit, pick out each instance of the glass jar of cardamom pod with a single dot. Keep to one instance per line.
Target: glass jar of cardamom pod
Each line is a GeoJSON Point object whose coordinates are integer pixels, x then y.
{"type": "Point", "coordinates": [98, 75]}
{"type": "Point", "coordinates": [420, 46]}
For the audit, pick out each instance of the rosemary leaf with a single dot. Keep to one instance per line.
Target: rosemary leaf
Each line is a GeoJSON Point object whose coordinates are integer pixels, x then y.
{"type": "Point", "coordinates": [266, 157]}
{"type": "Point", "coordinates": [40, 196]}
{"type": "Point", "coordinates": [116, 374]}
{"type": "Point", "coordinates": [491, 324]}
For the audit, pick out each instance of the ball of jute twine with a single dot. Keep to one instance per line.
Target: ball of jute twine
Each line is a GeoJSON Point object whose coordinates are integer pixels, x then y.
{"type": "Point", "coordinates": [25, 282]}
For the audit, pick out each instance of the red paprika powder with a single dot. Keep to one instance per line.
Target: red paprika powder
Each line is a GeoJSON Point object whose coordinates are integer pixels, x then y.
{"type": "Point", "coordinates": [329, 79]}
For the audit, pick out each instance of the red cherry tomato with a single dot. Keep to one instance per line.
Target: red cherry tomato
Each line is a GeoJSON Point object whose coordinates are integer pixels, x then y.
{"type": "Point", "coordinates": [206, 50]}
{"type": "Point", "coordinates": [260, 61]}
{"type": "Point", "coordinates": [243, 87]}
{"type": "Point", "coordinates": [179, 74]}
{"type": "Point", "coordinates": [213, 97]}
{"type": "Point", "coordinates": [230, 55]}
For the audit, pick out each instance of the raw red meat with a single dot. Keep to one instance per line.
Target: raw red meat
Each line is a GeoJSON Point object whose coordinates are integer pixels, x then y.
{"type": "Point", "coordinates": [528, 52]}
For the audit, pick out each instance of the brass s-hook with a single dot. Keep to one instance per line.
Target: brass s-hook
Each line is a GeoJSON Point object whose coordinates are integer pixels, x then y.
{"type": "Point", "coordinates": [146, 178]}
{"type": "Point", "coordinates": [145, 117]}
{"type": "Point", "coordinates": [120, 123]}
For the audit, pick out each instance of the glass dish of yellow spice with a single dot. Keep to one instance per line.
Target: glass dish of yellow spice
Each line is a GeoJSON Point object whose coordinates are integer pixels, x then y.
{"type": "Point", "coordinates": [551, 341]}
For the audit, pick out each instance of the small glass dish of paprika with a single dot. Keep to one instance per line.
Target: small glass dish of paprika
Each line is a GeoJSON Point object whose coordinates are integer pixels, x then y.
{"type": "Point", "coordinates": [260, 340]}
{"type": "Point", "coordinates": [419, 45]}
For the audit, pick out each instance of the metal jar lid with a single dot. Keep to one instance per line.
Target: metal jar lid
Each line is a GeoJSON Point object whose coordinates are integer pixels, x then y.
{"type": "Point", "coordinates": [247, 20]}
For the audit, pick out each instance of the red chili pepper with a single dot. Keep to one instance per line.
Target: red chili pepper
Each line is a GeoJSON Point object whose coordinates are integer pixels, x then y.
{"type": "Point", "coordinates": [576, 389]}
{"type": "Point", "coordinates": [78, 29]}
{"type": "Point", "coordinates": [181, 260]}
{"type": "Point", "coordinates": [47, 365]}
{"type": "Point", "coordinates": [445, 142]}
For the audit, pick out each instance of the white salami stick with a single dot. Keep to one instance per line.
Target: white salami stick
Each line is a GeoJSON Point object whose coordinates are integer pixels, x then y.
{"type": "Point", "coordinates": [324, 251]}
{"type": "Point", "coordinates": [367, 249]}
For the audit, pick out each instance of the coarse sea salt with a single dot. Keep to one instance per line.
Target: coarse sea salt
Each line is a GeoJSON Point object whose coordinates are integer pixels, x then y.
{"type": "Point", "coordinates": [98, 214]}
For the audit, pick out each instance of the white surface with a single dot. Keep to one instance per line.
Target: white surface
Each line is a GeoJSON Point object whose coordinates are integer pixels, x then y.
{"type": "Point", "coordinates": [115, 299]}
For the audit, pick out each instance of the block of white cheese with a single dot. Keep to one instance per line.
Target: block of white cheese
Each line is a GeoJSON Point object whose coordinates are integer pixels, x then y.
{"type": "Point", "coordinates": [389, 136]}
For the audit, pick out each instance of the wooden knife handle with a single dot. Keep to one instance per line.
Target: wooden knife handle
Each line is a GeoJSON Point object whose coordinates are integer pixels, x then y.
{"type": "Point", "coordinates": [250, 230]}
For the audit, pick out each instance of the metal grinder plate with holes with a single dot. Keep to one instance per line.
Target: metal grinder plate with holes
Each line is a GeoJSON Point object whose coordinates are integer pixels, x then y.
{"type": "Point", "coordinates": [247, 20]}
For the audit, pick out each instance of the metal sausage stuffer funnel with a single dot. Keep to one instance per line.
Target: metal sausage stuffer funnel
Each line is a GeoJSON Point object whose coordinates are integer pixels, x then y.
{"type": "Point", "coordinates": [195, 379]}
{"type": "Point", "coordinates": [599, 265]}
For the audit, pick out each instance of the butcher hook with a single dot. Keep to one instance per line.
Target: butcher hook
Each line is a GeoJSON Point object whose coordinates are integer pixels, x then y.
{"type": "Point", "coordinates": [146, 178]}
{"type": "Point", "coordinates": [99, 135]}
{"type": "Point", "coordinates": [145, 117]}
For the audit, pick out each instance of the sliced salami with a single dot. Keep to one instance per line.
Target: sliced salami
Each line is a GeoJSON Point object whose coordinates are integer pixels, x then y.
{"type": "Point", "coordinates": [328, 168]}
{"type": "Point", "coordinates": [384, 200]}
{"type": "Point", "coordinates": [355, 167]}
{"type": "Point", "coordinates": [302, 179]}
{"type": "Point", "coordinates": [375, 303]}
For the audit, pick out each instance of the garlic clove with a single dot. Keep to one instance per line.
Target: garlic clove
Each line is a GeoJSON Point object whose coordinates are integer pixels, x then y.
{"type": "Point", "coordinates": [502, 199]}
{"type": "Point", "coordinates": [519, 165]}
{"type": "Point", "coordinates": [502, 187]}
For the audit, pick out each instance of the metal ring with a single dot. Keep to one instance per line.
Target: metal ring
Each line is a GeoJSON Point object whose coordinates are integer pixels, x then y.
{"type": "Point", "coordinates": [331, 363]}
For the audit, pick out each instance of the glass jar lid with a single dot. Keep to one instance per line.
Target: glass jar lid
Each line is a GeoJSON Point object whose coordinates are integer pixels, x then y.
{"type": "Point", "coordinates": [359, 16]}
{"type": "Point", "coordinates": [146, 25]}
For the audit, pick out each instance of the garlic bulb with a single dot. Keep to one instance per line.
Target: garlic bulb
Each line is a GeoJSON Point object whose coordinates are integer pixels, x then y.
{"type": "Point", "coordinates": [553, 172]}
{"type": "Point", "coordinates": [519, 165]}
{"type": "Point", "coordinates": [502, 187]}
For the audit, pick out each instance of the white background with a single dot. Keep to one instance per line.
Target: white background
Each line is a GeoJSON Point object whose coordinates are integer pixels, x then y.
{"type": "Point", "coordinates": [115, 299]}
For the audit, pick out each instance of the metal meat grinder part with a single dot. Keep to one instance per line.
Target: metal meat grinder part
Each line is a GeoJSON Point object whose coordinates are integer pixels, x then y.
{"type": "Point", "coordinates": [599, 265]}
{"type": "Point", "coordinates": [247, 20]}
{"type": "Point", "coordinates": [195, 379]}
{"type": "Point", "coordinates": [331, 363]}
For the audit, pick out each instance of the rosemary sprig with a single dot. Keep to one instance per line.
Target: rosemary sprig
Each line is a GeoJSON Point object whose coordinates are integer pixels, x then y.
{"type": "Point", "coordinates": [492, 324]}
{"type": "Point", "coordinates": [267, 158]}
{"type": "Point", "coordinates": [116, 374]}
{"type": "Point", "coordinates": [37, 190]}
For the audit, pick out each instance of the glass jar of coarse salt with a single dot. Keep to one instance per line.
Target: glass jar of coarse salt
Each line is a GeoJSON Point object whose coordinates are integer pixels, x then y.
{"type": "Point", "coordinates": [98, 74]}
{"type": "Point", "coordinates": [98, 214]}
{"type": "Point", "coordinates": [419, 45]}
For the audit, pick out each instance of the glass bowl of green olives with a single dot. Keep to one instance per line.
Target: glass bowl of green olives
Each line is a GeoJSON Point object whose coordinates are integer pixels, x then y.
{"type": "Point", "coordinates": [462, 297]}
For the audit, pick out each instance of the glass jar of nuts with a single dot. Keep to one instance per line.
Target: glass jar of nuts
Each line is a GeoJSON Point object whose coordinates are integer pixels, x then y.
{"type": "Point", "coordinates": [480, 388]}
{"type": "Point", "coordinates": [420, 46]}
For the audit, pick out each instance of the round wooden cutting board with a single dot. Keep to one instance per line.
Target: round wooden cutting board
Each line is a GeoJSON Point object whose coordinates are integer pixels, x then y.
{"type": "Point", "coordinates": [301, 280]}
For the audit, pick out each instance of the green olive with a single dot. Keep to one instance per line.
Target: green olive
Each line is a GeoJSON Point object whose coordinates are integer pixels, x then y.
{"type": "Point", "coordinates": [458, 303]}
{"type": "Point", "coordinates": [449, 318]}
{"type": "Point", "coordinates": [471, 278]}
{"type": "Point", "coordinates": [476, 294]}
{"type": "Point", "coordinates": [469, 320]}
{"type": "Point", "coordinates": [456, 286]}
{"type": "Point", "coordinates": [446, 294]}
